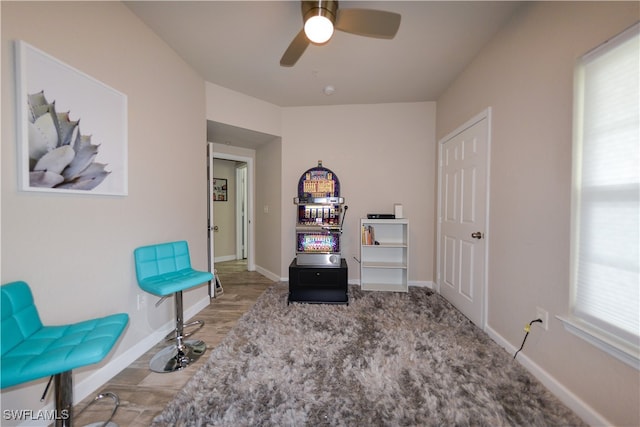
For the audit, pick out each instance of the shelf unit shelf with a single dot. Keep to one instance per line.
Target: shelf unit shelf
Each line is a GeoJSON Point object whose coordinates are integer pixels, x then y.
{"type": "Point", "coordinates": [384, 257]}
{"type": "Point", "coordinates": [384, 265]}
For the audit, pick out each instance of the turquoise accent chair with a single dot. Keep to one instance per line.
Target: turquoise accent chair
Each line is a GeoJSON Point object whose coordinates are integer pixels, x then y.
{"type": "Point", "coordinates": [164, 269]}
{"type": "Point", "coordinates": [29, 350]}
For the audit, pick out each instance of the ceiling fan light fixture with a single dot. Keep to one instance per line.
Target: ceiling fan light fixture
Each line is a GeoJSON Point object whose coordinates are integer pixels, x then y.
{"type": "Point", "coordinates": [321, 16]}
{"type": "Point", "coordinates": [319, 19]}
{"type": "Point", "coordinates": [318, 29]}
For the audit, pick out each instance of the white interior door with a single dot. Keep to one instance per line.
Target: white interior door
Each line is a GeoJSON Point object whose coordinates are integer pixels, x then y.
{"type": "Point", "coordinates": [242, 222]}
{"type": "Point", "coordinates": [463, 217]}
{"type": "Point", "coordinates": [249, 199]}
{"type": "Point", "coordinates": [210, 222]}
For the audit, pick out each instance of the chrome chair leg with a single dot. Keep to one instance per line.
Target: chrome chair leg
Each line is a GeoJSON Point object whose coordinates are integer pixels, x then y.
{"type": "Point", "coordinates": [183, 353]}
{"type": "Point", "coordinates": [172, 335]}
{"type": "Point", "coordinates": [63, 392]}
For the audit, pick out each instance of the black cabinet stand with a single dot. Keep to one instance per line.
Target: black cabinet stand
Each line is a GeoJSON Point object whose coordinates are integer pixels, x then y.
{"type": "Point", "coordinates": [318, 284]}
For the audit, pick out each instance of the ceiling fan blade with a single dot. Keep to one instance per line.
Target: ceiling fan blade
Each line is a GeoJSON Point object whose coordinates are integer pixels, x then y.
{"type": "Point", "coordinates": [295, 50]}
{"type": "Point", "coordinates": [368, 22]}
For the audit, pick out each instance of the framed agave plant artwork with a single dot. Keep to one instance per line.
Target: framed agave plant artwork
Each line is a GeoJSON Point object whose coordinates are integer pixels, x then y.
{"type": "Point", "coordinates": [72, 129]}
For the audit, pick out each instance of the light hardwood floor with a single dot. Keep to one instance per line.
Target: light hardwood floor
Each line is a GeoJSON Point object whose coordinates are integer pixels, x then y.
{"type": "Point", "coordinates": [143, 393]}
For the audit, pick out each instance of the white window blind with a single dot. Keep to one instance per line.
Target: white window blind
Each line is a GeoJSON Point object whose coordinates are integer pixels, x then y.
{"type": "Point", "coordinates": [606, 190]}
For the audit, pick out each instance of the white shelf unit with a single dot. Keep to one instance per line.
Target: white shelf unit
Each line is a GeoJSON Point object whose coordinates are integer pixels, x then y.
{"type": "Point", "coordinates": [384, 266]}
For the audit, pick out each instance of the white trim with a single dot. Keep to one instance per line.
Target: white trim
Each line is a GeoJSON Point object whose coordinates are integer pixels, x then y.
{"type": "Point", "coordinates": [609, 342]}
{"type": "Point", "coordinates": [242, 222]}
{"type": "Point", "coordinates": [250, 198]}
{"type": "Point", "coordinates": [606, 342]}
{"type": "Point", "coordinates": [269, 275]}
{"type": "Point", "coordinates": [472, 121]}
{"type": "Point", "coordinates": [210, 212]}
{"type": "Point", "coordinates": [486, 114]}
{"type": "Point", "coordinates": [100, 377]}
{"type": "Point", "coordinates": [612, 43]}
{"type": "Point", "coordinates": [415, 283]}
{"type": "Point", "coordinates": [577, 405]}
{"type": "Point", "coordinates": [96, 380]}
{"type": "Point", "coordinates": [225, 258]}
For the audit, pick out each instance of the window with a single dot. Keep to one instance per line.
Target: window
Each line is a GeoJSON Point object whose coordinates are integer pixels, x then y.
{"type": "Point", "coordinates": [605, 280]}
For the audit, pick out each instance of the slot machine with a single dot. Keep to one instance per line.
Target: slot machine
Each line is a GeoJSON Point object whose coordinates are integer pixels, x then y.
{"type": "Point", "coordinates": [319, 224]}
{"type": "Point", "coordinates": [320, 216]}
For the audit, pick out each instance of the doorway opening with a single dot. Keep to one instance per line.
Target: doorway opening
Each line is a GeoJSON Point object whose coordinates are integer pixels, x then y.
{"type": "Point", "coordinates": [239, 178]}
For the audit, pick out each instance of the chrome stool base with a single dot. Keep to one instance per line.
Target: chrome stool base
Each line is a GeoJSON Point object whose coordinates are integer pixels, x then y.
{"type": "Point", "coordinates": [116, 405]}
{"type": "Point", "coordinates": [171, 359]}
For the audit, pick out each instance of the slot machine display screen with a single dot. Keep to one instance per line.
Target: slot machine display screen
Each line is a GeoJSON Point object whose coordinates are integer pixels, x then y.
{"type": "Point", "coordinates": [318, 242]}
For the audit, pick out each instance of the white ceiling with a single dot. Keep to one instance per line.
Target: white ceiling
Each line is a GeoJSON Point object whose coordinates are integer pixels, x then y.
{"type": "Point", "coordinates": [238, 45]}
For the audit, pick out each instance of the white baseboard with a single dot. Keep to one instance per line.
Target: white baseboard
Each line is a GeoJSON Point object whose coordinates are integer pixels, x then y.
{"type": "Point", "coordinates": [224, 258]}
{"type": "Point", "coordinates": [96, 380]}
{"type": "Point", "coordinates": [577, 405]}
{"type": "Point", "coordinates": [268, 274]}
{"type": "Point", "coordinates": [99, 378]}
{"type": "Point", "coordinates": [415, 283]}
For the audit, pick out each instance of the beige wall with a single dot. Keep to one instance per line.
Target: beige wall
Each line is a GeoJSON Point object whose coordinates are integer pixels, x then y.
{"type": "Point", "coordinates": [526, 76]}
{"type": "Point", "coordinates": [382, 154]}
{"type": "Point", "coordinates": [76, 251]}
{"type": "Point", "coordinates": [236, 109]}
{"type": "Point", "coordinates": [268, 212]}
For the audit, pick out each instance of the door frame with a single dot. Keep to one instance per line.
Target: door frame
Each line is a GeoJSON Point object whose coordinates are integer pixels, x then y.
{"type": "Point", "coordinates": [485, 114]}
{"type": "Point", "coordinates": [242, 222]}
{"type": "Point", "coordinates": [250, 208]}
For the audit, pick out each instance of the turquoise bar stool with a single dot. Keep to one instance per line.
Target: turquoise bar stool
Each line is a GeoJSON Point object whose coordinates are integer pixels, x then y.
{"type": "Point", "coordinates": [31, 350]}
{"type": "Point", "coordinates": [163, 270]}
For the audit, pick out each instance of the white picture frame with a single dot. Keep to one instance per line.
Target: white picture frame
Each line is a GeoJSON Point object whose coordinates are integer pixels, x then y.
{"type": "Point", "coordinates": [87, 157]}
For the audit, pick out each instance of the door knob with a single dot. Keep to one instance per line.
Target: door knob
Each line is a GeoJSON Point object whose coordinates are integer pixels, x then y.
{"type": "Point", "coordinates": [476, 235]}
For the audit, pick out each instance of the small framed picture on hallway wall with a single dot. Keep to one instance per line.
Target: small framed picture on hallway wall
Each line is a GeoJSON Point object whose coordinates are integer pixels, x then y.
{"type": "Point", "coordinates": [219, 190]}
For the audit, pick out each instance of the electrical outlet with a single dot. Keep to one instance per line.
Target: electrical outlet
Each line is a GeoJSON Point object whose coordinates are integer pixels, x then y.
{"type": "Point", "coordinates": [543, 315]}
{"type": "Point", "coordinates": [142, 302]}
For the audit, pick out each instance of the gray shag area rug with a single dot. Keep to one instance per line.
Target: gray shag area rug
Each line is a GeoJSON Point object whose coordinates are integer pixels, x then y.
{"type": "Point", "coordinates": [386, 359]}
